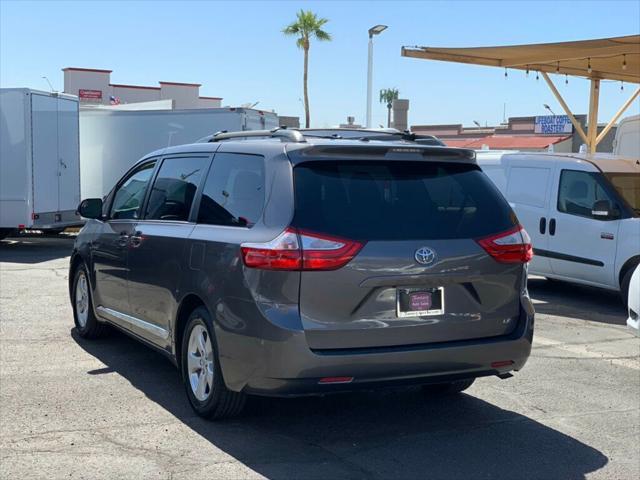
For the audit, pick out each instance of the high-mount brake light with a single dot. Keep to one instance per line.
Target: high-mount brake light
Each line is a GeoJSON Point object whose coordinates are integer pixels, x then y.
{"type": "Point", "coordinates": [512, 246]}
{"type": "Point", "coordinates": [300, 250]}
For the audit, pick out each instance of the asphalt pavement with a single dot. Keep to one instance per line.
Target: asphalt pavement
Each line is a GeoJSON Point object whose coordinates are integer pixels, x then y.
{"type": "Point", "coordinates": [114, 409]}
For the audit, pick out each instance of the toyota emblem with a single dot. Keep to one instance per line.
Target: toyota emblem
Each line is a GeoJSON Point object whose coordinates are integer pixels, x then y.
{"type": "Point", "coordinates": [425, 256]}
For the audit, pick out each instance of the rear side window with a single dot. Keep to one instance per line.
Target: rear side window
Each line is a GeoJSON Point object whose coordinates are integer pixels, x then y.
{"type": "Point", "coordinates": [174, 188]}
{"type": "Point", "coordinates": [398, 200]}
{"type": "Point", "coordinates": [528, 186]}
{"type": "Point", "coordinates": [129, 195]}
{"type": "Point", "coordinates": [233, 193]}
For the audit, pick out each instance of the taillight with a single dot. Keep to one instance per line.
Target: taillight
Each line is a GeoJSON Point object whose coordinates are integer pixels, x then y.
{"type": "Point", "coordinates": [324, 252]}
{"type": "Point", "coordinates": [281, 253]}
{"type": "Point", "coordinates": [512, 246]}
{"type": "Point", "coordinates": [300, 250]}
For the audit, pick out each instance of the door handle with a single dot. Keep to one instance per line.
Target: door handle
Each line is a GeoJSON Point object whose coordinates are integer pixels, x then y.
{"type": "Point", "coordinates": [136, 239]}
{"type": "Point", "coordinates": [543, 225]}
{"type": "Point", "coordinates": [123, 240]}
{"type": "Point", "coordinates": [552, 226]}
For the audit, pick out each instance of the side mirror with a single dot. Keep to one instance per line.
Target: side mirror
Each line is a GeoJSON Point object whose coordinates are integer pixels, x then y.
{"type": "Point", "coordinates": [603, 209]}
{"type": "Point", "coordinates": [90, 208]}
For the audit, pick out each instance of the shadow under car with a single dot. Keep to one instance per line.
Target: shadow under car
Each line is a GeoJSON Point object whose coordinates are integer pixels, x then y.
{"type": "Point", "coordinates": [395, 433]}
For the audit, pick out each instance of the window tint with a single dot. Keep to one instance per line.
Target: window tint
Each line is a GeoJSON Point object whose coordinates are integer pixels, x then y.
{"type": "Point", "coordinates": [398, 200]}
{"type": "Point", "coordinates": [128, 198]}
{"type": "Point", "coordinates": [174, 188]}
{"type": "Point", "coordinates": [234, 191]}
{"type": "Point", "coordinates": [628, 186]}
{"type": "Point", "coordinates": [579, 191]}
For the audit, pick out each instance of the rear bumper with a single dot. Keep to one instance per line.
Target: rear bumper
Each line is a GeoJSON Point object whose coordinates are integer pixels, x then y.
{"type": "Point", "coordinates": [56, 220]}
{"type": "Point", "coordinates": [288, 367]}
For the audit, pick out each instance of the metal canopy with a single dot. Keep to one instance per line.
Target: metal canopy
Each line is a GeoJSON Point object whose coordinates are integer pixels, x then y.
{"type": "Point", "coordinates": [616, 58]}
{"type": "Point", "coordinates": [607, 57]}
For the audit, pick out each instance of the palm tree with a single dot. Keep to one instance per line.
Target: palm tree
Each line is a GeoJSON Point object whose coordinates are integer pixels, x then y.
{"type": "Point", "coordinates": [306, 27]}
{"type": "Point", "coordinates": [388, 95]}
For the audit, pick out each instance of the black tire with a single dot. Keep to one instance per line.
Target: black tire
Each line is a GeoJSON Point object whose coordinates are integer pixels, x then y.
{"type": "Point", "coordinates": [220, 401]}
{"type": "Point", "coordinates": [624, 286]}
{"type": "Point", "coordinates": [450, 388]}
{"type": "Point", "coordinates": [5, 232]}
{"type": "Point", "coordinates": [53, 232]}
{"type": "Point", "coordinates": [91, 327]}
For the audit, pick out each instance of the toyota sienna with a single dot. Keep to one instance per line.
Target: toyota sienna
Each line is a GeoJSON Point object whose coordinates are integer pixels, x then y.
{"type": "Point", "coordinates": [289, 262]}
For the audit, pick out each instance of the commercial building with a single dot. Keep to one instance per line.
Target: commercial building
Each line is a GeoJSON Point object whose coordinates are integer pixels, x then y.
{"type": "Point", "coordinates": [289, 121]}
{"type": "Point", "coordinates": [534, 133]}
{"type": "Point", "coordinates": [94, 87]}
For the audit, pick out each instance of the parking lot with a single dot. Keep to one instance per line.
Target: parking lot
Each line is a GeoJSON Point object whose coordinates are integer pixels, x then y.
{"type": "Point", "coordinates": [112, 408]}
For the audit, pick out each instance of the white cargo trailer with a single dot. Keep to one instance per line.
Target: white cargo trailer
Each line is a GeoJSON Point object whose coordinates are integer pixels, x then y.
{"type": "Point", "coordinates": [112, 140]}
{"type": "Point", "coordinates": [627, 141]}
{"type": "Point", "coordinates": [39, 160]}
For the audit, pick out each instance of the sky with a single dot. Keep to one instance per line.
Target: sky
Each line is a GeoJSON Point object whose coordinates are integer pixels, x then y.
{"type": "Point", "coordinates": [236, 51]}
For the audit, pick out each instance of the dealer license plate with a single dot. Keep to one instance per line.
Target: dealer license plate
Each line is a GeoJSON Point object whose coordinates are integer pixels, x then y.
{"type": "Point", "coordinates": [420, 302]}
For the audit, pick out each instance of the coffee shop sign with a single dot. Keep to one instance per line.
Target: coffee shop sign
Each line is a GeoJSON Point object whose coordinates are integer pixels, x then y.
{"type": "Point", "coordinates": [553, 124]}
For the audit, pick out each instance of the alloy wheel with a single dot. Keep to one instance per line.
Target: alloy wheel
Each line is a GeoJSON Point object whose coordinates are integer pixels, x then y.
{"type": "Point", "coordinates": [200, 363]}
{"type": "Point", "coordinates": [82, 299]}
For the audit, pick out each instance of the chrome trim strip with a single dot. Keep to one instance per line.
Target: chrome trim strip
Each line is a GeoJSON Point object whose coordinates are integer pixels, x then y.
{"type": "Point", "coordinates": [149, 327]}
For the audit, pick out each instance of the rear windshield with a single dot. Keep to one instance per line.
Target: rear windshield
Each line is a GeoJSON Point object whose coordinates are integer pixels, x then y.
{"type": "Point", "coordinates": [398, 200]}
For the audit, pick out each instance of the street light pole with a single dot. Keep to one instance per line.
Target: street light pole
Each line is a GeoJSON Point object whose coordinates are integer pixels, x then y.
{"type": "Point", "coordinates": [50, 86]}
{"type": "Point", "coordinates": [549, 108]}
{"type": "Point", "coordinates": [375, 30]}
{"type": "Point", "coordinates": [369, 81]}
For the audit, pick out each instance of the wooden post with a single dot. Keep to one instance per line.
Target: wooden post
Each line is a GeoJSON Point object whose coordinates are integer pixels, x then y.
{"type": "Point", "coordinates": [592, 130]}
{"type": "Point", "coordinates": [615, 118]}
{"type": "Point", "coordinates": [576, 125]}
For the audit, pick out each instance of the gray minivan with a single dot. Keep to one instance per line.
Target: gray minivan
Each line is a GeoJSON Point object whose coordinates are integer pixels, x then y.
{"type": "Point", "coordinates": [284, 262]}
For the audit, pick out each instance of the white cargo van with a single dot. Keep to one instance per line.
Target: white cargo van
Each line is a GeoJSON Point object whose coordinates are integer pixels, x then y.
{"type": "Point", "coordinates": [627, 141]}
{"type": "Point", "coordinates": [581, 211]}
{"type": "Point", "coordinates": [39, 160]}
{"type": "Point", "coordinates": [112, 140]}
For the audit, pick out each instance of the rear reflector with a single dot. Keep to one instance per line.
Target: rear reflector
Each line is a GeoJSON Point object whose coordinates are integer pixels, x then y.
{"type": "Point", "coordinates": [326, 380]}
{"type": "Point", "coordinates": [512, 246]}
{"type": "Point", "coordinates": [300, 250]}
{"type": "Point", "coordinates": [501, 363]}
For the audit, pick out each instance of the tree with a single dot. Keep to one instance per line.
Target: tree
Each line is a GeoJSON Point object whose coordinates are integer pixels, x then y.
{"type": "Point", "coordinates": [306, 27]}
{"type": "Point", "coordinates": [388, 95]}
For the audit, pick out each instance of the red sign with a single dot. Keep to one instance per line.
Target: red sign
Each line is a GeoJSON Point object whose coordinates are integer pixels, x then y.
{"type": "Point", "coordinates": [91, 95]}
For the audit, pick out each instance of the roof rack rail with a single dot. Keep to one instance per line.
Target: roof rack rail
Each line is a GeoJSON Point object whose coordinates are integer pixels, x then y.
{"type": "Point", "coordinates": [280, 132]}
{"type": "Point", "coordinates": [368, 134]}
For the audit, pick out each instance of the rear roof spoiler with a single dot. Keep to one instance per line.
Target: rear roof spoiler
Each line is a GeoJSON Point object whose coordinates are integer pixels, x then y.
{"type": "Point", "coordinates": [397, 152]}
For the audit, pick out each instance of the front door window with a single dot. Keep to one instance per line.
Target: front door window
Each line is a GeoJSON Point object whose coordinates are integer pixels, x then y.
{"type": "Point", "coordinates": [128, 198]}
{"type": "Point", "coordinates": [579, 191]}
